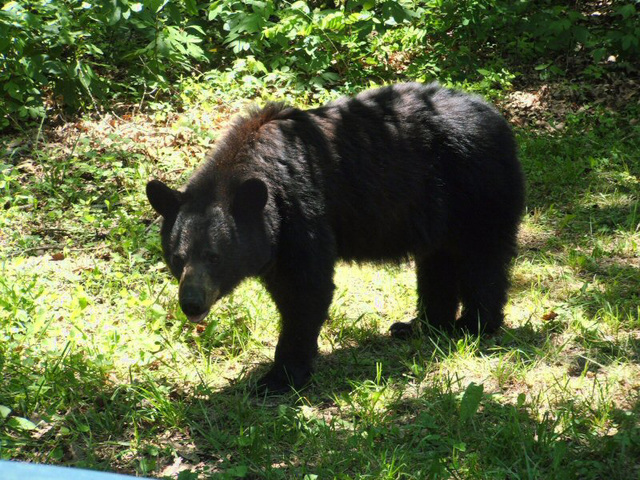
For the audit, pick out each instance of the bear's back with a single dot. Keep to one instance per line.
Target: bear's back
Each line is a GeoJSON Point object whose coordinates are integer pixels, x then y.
{"type": "Point", "coordinates": [406, 161]}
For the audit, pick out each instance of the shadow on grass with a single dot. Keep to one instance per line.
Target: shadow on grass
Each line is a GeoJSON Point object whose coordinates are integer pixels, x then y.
{"type": "Point", "coordinates": [332, 428]}
{"type": "Point", "coordinates": [617, 292]}
{"type": "Point", "coordinates": [582, 188]}
{"type": "Point", "coordinates": [381, 358]}
{"type": "Point", "coordinates": [424, 429]}
{"type": "Point", "coordinates": [566, 171]}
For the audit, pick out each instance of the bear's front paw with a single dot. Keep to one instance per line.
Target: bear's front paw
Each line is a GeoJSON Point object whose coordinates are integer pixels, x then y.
{"type": "Point", "coordinates": [281, 379]}
{"type": "Point", "coordinates": [403, 330]}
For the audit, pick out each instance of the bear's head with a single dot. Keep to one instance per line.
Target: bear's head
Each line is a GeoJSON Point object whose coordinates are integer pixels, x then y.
{"type": "Point", "coordinates": [211, 244]}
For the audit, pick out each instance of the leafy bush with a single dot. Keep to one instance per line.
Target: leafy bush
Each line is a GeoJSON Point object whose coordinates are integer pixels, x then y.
{"type": "Point", "coordinates": [79, 54]}
{"type": "Point", "coordinates": [73, 53]}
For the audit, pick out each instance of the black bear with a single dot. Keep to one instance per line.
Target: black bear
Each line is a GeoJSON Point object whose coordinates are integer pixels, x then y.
{"type": "Point", "coordinates": [404, 171]}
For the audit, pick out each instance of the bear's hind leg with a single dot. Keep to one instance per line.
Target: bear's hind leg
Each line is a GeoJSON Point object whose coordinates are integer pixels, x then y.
{"type": "Point", "coordinates": [438, 284]}
{"type": "Point", "coordinates": [484, 282]}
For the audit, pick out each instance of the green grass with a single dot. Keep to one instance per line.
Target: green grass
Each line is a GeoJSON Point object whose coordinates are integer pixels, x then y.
{"type": "Point", "coordinates": [100, 369]}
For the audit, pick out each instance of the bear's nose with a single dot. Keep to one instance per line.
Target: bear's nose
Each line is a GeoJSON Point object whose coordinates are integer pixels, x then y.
{"type": "Point", "coordinates": [192, 303]}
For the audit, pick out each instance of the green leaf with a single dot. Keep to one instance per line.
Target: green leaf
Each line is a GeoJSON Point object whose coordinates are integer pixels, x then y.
{"type": "Point", "coordinates": [331, 76]}
{"type": "Point", "coordinates": [581, 34]}
{"type": "Point", "coordinates": [187, 475]}
{"type": "Point", "coordinates": [83, 302]}
{"type": "Point", "coordinates": [192, 8]}
{"type": "Point", "coordinates": [238, 472]}
{"type": "Point", "coordinates": [333, 21]}
{"type": "Point", "coordinates": [251, 23]}
{"type": "Point", "coordinates": [626, 11]}
{"type": "Point", "coordinates": [20, 423]}
{"type": "Point", "coordinates": [57, 453]}
{"type": "Point", "coordinates": [460, 446]}
{"type": "Point", "coordinates": [115, 16]}
{"type": "Point", "coordinates": [156, 5]}
{"type": "Point", "coordinates": [13, 90]}
{"type": "Point", "coordinates": [470, 401]}
{"type": "Point", "coordinates": [10, 5]}
{"type": "Point", "coordinates": [302, 6]}
{"type": "Point", "coordinates": [598, 54]}
{"type": "Point", "coordinates": [4, 411]}
{"type": "Point", "coordinates": [83, 428]}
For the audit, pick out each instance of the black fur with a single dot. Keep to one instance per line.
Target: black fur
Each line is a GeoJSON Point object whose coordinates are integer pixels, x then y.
{"type": "Point", "coordinates": [405, 171]}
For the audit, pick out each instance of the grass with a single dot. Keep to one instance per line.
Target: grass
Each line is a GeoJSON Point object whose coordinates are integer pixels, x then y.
{"type": "Point", "coordinates": [101, 370]}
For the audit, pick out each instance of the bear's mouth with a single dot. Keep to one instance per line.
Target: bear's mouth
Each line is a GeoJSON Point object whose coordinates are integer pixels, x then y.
{"type": "Point", "coordinates": [198, 318]}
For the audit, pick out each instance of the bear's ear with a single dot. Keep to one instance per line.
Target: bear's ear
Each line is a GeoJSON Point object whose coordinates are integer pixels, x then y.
{"type": "Point", "coordinates": [250, 198]}
{"type": "Point", "coordinates": [163, 199]}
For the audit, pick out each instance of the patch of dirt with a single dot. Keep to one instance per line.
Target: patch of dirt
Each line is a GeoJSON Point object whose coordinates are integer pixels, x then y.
{"type": "Point", "coordinates": [533, 239]}
{"type": "Point", "coordinates": [155, 136]}
{"type": "Point", "coordinates": [136, 134]}
{"type": "Point", "coordinates": [546, 107]}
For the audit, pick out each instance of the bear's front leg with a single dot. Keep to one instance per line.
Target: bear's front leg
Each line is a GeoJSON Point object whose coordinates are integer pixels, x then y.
{"type": "Point", "coordinates": [302, 292]}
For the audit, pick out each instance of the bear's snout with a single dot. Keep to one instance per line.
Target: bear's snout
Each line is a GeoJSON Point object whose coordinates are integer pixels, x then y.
{"type": "Point", "coordinates": [192, 302]}
{"type": "Point", "coordinates": [196, 294]}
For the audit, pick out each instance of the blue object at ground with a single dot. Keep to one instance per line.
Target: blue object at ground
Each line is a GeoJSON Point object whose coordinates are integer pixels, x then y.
{"type": "Point", "coordinates": [34, 471]}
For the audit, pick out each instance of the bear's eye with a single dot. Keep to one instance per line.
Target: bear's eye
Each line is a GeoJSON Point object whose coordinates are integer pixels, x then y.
{"type": "Point", "coordinates": [211, 256]}
{"type": "Point", "coordinates": [178, 262]}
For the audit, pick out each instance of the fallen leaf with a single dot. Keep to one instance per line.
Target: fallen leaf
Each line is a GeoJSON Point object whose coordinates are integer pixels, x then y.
{"type": "Point", "coordinates": [174, 469]}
